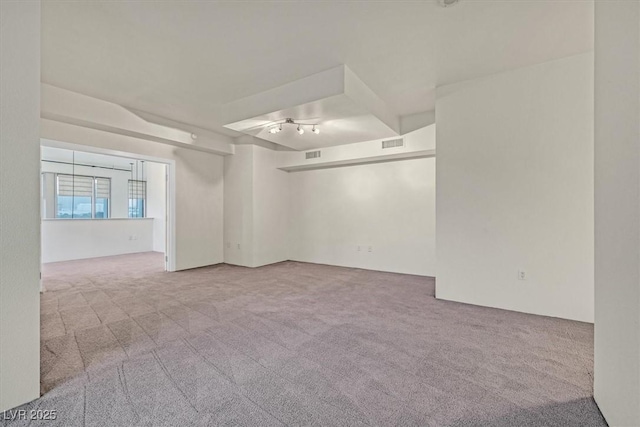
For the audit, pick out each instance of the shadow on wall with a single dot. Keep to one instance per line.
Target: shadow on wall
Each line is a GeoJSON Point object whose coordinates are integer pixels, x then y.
{"type": "Point", "coordinates": [579, 413]}
{"type": "Point", "coordinates": [192, 162]}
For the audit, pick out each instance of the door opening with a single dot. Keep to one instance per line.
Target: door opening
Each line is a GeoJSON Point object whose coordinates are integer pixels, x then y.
{"type": "Point", "coordinates": [97, 203]}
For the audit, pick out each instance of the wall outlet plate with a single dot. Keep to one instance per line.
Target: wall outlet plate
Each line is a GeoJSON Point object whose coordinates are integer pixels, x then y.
{"type": "Point", "coordinates": [522, 275]}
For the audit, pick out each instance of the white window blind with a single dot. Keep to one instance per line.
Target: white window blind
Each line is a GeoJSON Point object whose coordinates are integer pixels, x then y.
{"type": "Point", "coordinates": [85, 197]}
{"type": "Point", "coordinates": [137, 189]}
{"type": "Point", "coordinates": [74, 185]}
{"type": "Point", "coordinates": [103, 188]}
{"type": "Point", "coordinates": [137, 199]}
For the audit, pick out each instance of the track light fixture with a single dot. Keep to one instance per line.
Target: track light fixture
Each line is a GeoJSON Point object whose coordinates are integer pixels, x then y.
{"type": "Point", "coordinates": [275, 128]}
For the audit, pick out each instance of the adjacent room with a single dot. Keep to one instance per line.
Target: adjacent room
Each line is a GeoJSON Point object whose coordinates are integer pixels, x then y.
{"type": "Point", "coordinates": [390, 213]}
{"type": "Point", "coordinates": [98, 205]}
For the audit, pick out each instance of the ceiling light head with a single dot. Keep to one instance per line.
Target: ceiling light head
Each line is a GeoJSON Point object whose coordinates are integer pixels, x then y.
{"type": "Point", "coordinates": [273, 130]}
{"type": "Point", "coordinates": [315, 130]}
{"type": "Point", "coordinates": [300, 130]}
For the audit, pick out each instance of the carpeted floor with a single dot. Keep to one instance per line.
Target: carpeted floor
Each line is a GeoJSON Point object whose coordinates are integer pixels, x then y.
{"type": "Point", "coordinates": [124, 343]}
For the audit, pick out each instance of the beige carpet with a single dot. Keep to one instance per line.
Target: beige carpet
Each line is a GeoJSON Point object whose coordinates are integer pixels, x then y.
{"type": "Point", "coordinates": [124, 343]}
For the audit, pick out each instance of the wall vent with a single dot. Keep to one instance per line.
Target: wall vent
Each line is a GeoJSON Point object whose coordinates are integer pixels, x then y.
{"type": "Point", "coordinates": [312, 154]}
{"type": "Point", "coordinates": [393, 143]}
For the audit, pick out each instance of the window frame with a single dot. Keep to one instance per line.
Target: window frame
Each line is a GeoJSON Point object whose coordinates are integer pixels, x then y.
{"type": "Point", "coordinates": [95, 197]}
{"type": "Point", "coordinates": [94, 189]}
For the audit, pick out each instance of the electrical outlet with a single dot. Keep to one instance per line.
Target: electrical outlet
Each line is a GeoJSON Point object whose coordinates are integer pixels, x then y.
{"type": "Point", "coordinates": [370, 248]}
{"type": "Point", "coordinates": [522, 275]}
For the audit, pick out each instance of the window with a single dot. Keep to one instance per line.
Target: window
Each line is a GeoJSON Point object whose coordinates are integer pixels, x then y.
{"type": "Point", "coordinates": [137, 199]}
{"type": "Point", "coordinates": [80, 196]}
{"type": "Point", "coordinates": [103, 192]}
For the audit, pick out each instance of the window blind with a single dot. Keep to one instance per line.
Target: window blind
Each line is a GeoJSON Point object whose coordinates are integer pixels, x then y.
{"type": "Point", "coordinates": [103, 188]}
{"type": "Point", "coordinates": [137, 189]}
{"type": "Point", "coordinates": [74, 185]}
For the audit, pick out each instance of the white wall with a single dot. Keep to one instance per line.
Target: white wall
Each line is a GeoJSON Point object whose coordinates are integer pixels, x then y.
{"type": "Point", "coordinates": [617, 212]}
{"type": "Point", "coordinates": [199, 209]}
{"type": "Point", "coordinates": [270, 208]}
{"type": "Point", "coordinates": [388, 206]}
{"type": "Point", "coordinates": [73, 108]}
{"type": "Point", "coordinates": [323, 215]}
{"type": "Point", "coordinates": [256, 207]}
{"type": "Point", "coordinates": [417, 143]}
{"type": "Point", "coordinates": [20, 203]}
{"type": "Point", "coordinates": [515, 190]}
{"type": "Point", "coordinates": [157, 202]}
{"type": "Point", "coordinates": [238, 207]}
{"type": "Point", "coordinates": [68, 239]}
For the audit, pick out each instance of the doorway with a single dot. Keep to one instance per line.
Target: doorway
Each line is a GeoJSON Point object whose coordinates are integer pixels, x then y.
{"type": "Point", "coordinates": [98, 203]}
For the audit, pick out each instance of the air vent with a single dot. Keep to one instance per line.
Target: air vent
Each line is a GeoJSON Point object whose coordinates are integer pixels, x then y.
{"type": "Point", "coordinates": [312, 154]}
{"type": "Point", "coordinates": [393, 143]}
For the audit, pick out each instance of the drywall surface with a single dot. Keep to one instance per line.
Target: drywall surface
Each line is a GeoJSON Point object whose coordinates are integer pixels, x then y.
{"type": "Point", "coordinates": [74, 108]}
{"type": "Point", "coordinates": [378, 216]}
{"type": "Point", "coordinates": [199, 188]}
{"type": "Point", "coordinates": [68, 239]}
{"type": "Point", "coordinates": [238, 207]}
{"type": "Point", "coordinates": [415, 143]}
{"type": "Point", "coordinates": [323, 215]}
{"type": "Point", "coordinates": [617, 212]}
{"type": "Point", "coordinates": [270, 208]}
{"type": "Point", "coordinates": [20, 203]}
{"type": "Point", "coordinates": [515, 190]}
{"type": "Point", "coordinates": [256, 207]}
{"type": "Point", "coordinates": [157, 203]}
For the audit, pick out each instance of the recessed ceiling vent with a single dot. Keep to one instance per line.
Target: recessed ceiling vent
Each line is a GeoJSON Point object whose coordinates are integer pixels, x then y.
{"type": "Point", "coordinates": [312, 154]}
{"type": "Point", "coordinates": [392, 143]}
